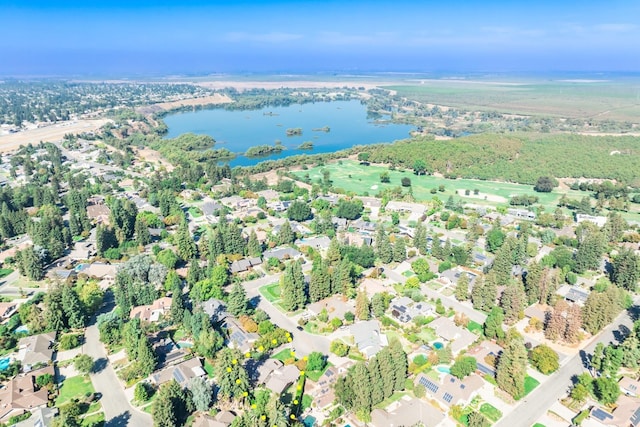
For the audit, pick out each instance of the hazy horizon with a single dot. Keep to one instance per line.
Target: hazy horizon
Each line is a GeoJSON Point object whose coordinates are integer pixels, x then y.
{"type": "Point", "coordinates": [147, 37]}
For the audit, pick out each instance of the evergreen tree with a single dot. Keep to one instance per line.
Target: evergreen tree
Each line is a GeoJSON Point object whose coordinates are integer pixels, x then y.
{"type": "Point", "coordinates": [626, 270]}
{"type": "Point", "coordinates": [30, 263]}
{"type": "Point", "coordinates": [171, 407]}
{"type": "Point", "coordinates": [143, 237]}
{"type": "Point", "coordinates": [493, 324]}
{"type": "Point", "coordinates": [145, 357]}
{"type": "Point", "coordinates": [333, 252]}
{"type": "Point", "coordinates": [254, 248]}
{"type": "Point", "coordinates": [574, 324]}
{"type": "Point", "coordinates": [363, 307]}
{"type": "Point", "coordinates": [320, 283]}
{"type": "Point", "coordinates": [399, 358]}
{"type": "Point", "coordinates": [399, 250]}
{"type": "Point", "coordinates": [202, 393]}
{"type": "Point", "coordinates": [73, 309]}
{"type": "Point", "coordinates": [436, 249]}
{"type": "Point", "coordinates": [55, 310]}
{"type": "Point", "coordinates": [513, 303]}
{"type": "Point", "coordinates": [531, 282]}
{"type": "Point", "coordinates": [503, 262]}
{"type": "Point", "coordinates": [555, 326]}
{"type": "Point", "coordinates": [186, 245]}
{"type": "Point", "coordinates": [387, 371]}
{"type": "Point", "coordinates": [462, 288]}
{"type": "Point", "coordinates": [292, 287]}
{"type": "Point", "coordinates": [511, 368]}
{"type": "Point", "coordinates": [237, 303]}
{"type": "Point", "coordinates": [204, 246]}
{"type": "Point", "coordinates": [132, 334]}
{"type": "Point", "coordinates": [105, 239]}
{"type": "Point", "coordinates": [384, 251]}
{"type": "Point", "coordinates": [233, 379]}
{"type": "Point", "coordinates": [589, 253]}
{"type": "Point", "coordinates": [420, 239]}
{"type": "Point", "coordinates": [177, 304]}
{"type": "Point", "coordinates": [233, 241]}
{"type": "Point", "coordinates": [377, 392]}
{"type": "Point", "coordinates": [195, 272]}
{"type": "Point", "coordinates": [216, 246]}
{"type": "Point", "coordinates": [362, 388]}
{"type": "Point", "coordinates": [285, 234]}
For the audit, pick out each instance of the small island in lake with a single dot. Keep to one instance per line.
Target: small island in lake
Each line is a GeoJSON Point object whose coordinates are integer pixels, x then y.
{"type": "Point", "coordinates": [294, 131]}
{"type": "Point", "coordinates": [263, 150]}
{"type": "Point", "coordinates": [322, 129]}
{"type": "Point", "coordinates": [307, 145]}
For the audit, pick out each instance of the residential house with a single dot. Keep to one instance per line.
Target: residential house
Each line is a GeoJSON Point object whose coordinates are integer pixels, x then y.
{"type": "Point", "coordinates": [215, 309]}
{"type": "Point", "coordinates": [281, 378]}
{"type": "Point", "coordinates": [323, 393]}
{"type": "Point", "coordinates": [600, 221]}
{"type": "Point", "coordinates": [415, 210]}
{"type": "Point", "coordinates": [269, 195]}
{"type": "Point", "coordinates": [450, 390]}
{"type": "Point", "coordinates": [42, 416]}
{"type": "Point", "coordinates": [99, 213]}
{"type": "Point", "coordinates": [244, 264]}
{"type": "Point", "coordinates": [335, 305]}
{"type": "Point", "coordinates": [281, 254]}
{"type": "Point", "coordinates": [577, 295]}
{"type": "Point", "coordinates": [453, 275]}
{"type": "Point", "coordinates": [407, 412]}
{"type": "Point", "coordinates": [486, 354]}
{"type": "Point", "coordinates": [459, 338]}
{"type": "Point", "coordinates": [36, 350]}
{"type": "Point", "coordinates": [339, 223]}
{"type": "Point", "coordinates": [629, 386]}
{"type": "Point", "coordinates": [221, 419]}
{"type": "Point", "coordinates": [62, 274]}
{"type": "Point", "coordinates": [210, 207]}
{"type": "Point", "coordinates": [522, 214]}
{"type": "Point", "coordinates": [626, 414]}
{"type": "Point", "coordinates": [82, 251]}
{"type": "Point", "coordinates": [167, 350]}
{"type": "Point", "coordinates": [19, 395]}
{"type": "Point", "coordinates": [371, 202]}
{"type": "Point", "coordinates": [332, 199]}
{"type": "Point", "coordinates": [101, 270]}
{"type": "Point", "coordinates": [182, 372]}
{"type": "Point", "coordinates": [319, 242]}
{"type": "Point", "coordinates": [405, 309]}
{"type": "Point", "coordinates": [152, 313]}
{"type": "Point", "coordinates": [7, 309]}
{"type": "Point", "coordinates": [238, 337]}
{"type": "Point", "coordinates": [367, 337]}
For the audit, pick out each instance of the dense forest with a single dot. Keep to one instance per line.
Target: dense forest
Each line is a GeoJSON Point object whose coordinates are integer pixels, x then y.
{"type": "Point", "coordinates": [519, 158]}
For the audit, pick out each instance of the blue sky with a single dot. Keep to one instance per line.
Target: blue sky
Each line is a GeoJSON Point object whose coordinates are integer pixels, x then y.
{"type": "Point", "coordinates": [129, 37]}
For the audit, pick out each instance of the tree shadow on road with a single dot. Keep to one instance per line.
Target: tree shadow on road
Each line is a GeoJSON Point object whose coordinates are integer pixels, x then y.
{"type": "Point", "coordinates": [99, 365]}
{"type": "Point", "coordinates": [121, 420]}
{"type": "Point", "coordinates": [255, 301]}
{"type": "Point", "coordinates": [586, 359]}
{"type": "Point", "coordinates": [634, 312]}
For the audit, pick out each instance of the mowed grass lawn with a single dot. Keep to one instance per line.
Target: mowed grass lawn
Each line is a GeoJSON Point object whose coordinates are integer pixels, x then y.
{"type": "Point", "coordinates": [74, 388]}
{"type": "Point", "coordinates": [491, 412]}
{"type": "Point", "coordinates": [271, 292]}
{"type": "Point", "coordinates": [353, 177]}
{"type": "Point", "coordinates": [529, 384]}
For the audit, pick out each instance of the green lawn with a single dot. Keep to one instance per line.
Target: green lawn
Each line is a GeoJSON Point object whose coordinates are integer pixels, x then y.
{"type": "Point", "coordinates": [529, 384]}
{"type": "Point", "coordinates": [393, 398]}
{"type": "Point", "coordinates": [282, 355]}
{"type": "Point", "coordinates": [208, 368]}
{"type": "Point", "coordinates": [74, 387]}
{"type": "Point", "coordinates": [315, 375]}
{"type": "Point", "coordinates": [93, 419]}
{"type": "Point", "coordinates": [474, 327]}
{"type": "Point", "coordinates": [352, 177]}
{"type": "Point", "coordinates": [271, 292]}
{"type": "Point", "coordinates": [4, 272]}
{"type": "Point", "coordinates": [195, 212]}
{"type": "Point", "coordinates": [306, 402]}
{"type": "Point", "coordinates": [490, 412]}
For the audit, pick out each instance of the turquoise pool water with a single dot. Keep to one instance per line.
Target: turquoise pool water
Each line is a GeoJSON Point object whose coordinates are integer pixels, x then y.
{"type": "Point", "coordinates": [4, 363]}
{"type": "Point", "coordinates": [184, 344]}
{"type": "Point", "coordinates": [444, 369]}
{"type": "Point", "coordinates": [309, 421]}
{"type": "Point", "coordinates": [21, 328]}
{"type": "Point", "coordinates": [438, 345]}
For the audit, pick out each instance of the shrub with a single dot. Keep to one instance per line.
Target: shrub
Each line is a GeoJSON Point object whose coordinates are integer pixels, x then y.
{"type": "Point", "coordinates": [339, 348]}
{"type": "Point", "coordinates": [69, 341]}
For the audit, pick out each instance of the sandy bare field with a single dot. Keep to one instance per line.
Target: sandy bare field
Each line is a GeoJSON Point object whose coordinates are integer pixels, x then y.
{"type": "Point", "coordinates": [52, 133]}
{"type": "Point", "coordinates": [216, 98]}
{"type": "Point", "coordinates": [152, 156]}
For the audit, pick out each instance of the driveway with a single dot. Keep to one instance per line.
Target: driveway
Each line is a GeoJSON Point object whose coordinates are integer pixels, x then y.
{"type": "Point", "coordinates": [117, 409]}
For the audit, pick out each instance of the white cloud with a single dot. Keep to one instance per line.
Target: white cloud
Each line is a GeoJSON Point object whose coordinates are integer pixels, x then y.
{"type": "Point", "coordinates": [616, 28]}
{"type": "Point", "coordinates": [272, 37]}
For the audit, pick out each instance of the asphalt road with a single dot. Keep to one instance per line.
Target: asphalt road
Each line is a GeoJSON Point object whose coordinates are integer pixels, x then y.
{"type": "Point", "coordinates": [117, 409]}
{"type": "Point", "coordinates": [536, 404]}
{"type": "Point", "coordinates": [303, 342]}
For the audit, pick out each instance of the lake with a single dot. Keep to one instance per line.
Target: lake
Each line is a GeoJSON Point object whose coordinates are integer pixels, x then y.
{"type": "Point", "coordinates": [239, 130]}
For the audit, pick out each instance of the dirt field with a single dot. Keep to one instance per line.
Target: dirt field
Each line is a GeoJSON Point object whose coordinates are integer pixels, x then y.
{"type": "Point", "coordinates": [48, 134]}
{"type": "Point", "coordinates": [152, 156]}
{"type": "Point", "coordinates": [217, 98]}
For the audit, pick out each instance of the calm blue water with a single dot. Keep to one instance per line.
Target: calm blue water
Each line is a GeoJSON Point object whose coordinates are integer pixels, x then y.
{"type": "Point", "coordinates": [437, 345]}
{"type": "Point", "coordinates": [444, 369]}
{"type": "Point", "coordinates": [309, 421]}
{"type": "Point", "coordinates": [239, 130]}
